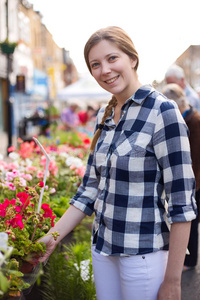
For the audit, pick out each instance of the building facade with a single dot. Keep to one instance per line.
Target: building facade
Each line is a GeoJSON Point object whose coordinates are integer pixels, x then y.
{"type": "Point", "coordinates": [190, 62]}
{"type": "Point", "coordinates": [36, 70]}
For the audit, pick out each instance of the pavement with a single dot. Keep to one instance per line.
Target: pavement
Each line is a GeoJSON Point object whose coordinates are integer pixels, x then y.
{"type": "Point", "coordinates": [190, 279]}
{"type": "Point", "coordinates": [191, 282]}
{"type": "Point", "coordinates": [4, 143]}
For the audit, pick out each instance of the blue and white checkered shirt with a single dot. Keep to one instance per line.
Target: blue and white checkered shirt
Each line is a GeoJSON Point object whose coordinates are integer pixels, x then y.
{"type": "Point", "coordinates": [135, 167]}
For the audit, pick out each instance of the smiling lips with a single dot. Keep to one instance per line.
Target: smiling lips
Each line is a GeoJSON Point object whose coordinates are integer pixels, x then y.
{"type": "Point", "coordinates": [112, 79]}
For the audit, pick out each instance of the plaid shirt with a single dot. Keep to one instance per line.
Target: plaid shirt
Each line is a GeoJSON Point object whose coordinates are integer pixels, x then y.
{"type": "Point", "coordinates": [135, 167]}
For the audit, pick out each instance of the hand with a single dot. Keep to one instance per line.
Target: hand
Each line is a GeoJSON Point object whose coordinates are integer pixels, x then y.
{"type": "Point", "coordinates": [169, 291]}
{"type": "Point", "coordinates": [50, 246]}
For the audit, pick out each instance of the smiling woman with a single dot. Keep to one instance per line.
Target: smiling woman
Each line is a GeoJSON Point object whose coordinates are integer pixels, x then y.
{"type": "Point", "coordinates": [134, 167]}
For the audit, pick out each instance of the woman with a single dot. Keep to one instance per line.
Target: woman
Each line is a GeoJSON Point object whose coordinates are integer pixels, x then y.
{"type": "Point", "coordinates": [139, 158]}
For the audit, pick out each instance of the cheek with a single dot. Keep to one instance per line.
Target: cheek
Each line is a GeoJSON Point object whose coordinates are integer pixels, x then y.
{"type": "Point", "coordinates": [96, 74]}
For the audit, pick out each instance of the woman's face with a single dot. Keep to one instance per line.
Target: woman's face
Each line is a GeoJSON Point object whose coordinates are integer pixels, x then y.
{"type": "Point", "coordinates": [113, 69]}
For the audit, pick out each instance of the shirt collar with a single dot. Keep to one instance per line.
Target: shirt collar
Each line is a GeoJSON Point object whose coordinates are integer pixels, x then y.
{"type": "Point", "coordinates": [142, 93]}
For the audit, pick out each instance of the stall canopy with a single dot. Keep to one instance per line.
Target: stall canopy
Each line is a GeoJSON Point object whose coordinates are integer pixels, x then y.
{"type": "Point", "coordinates": [85, 89]}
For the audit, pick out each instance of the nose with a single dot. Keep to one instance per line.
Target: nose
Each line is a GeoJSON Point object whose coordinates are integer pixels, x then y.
{"type": "Point", "coordinates": [105, 68]}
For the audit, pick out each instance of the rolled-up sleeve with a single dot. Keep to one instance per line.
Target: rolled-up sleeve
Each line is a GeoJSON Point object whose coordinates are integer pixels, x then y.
{"type": "Point", "coordinates": [87, 191]}
{"type": "Point", "coordinates": [172, 150]}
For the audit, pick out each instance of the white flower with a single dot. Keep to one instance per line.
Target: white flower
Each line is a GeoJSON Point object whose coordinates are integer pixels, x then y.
{"type": "Point", "coordinates": [63, 154]}
{"type": "Point", "coordinates": [53, 190]}
{"type": "Point", "coordinates": [22, 181]}
{"type": "Point", "coordinates": [29, 162]}
{"type": "Point", "coordinates": [84, 266]}
{"type": "Point", "coordinates": [4, 247]}
{"type": "Point", "coordinates": [75, 161]}
{"type": "Point", "coordinates": [14, 155]}
{"type": "Point", "coordinates": [3, 240]}
{"type": "Point", "coordinates": [1, 156]}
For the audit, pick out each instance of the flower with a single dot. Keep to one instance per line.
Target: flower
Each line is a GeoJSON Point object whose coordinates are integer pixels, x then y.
{"type": "Point", "coordinates": [41, 184]}
{"type": "Point", "coordinates": [24, 227]}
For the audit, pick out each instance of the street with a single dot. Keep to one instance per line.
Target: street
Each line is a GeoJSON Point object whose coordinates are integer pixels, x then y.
{"type": "Point", "coordinates": [191, 283]}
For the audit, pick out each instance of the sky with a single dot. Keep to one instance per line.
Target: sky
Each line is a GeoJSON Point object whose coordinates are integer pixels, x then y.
{"type": "Point", "coordinates": [161, 30]}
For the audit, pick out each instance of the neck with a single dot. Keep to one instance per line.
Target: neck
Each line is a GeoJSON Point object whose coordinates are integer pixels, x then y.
{"type": "Point", "coordinates": [121, 98]}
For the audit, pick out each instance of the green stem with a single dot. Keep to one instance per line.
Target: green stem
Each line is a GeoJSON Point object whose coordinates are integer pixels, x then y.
{"type": "Point", "coordinates": [33, 233]}
{"type": "Point", "coordinates": [43, 236]}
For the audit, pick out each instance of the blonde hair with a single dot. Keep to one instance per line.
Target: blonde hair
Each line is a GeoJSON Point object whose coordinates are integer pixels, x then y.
{"type": "Point", "coordinates": [115, 35]}
{"type": "Point", "coordinates": [174, 92]}
{"type": "Point", "coordinates": [108, 110]}
{"type": "Point", "coordinates": [120, 38]}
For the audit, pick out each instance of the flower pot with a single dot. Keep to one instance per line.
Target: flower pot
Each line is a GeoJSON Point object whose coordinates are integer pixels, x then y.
{"type": "Point", "coordinates": [8, 48]}
{"type": "Point", "coordinates": [31, 276]}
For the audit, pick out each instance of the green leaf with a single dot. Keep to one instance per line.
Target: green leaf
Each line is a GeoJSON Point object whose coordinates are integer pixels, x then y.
{"type": "Point", "coordinates": [3, 283]}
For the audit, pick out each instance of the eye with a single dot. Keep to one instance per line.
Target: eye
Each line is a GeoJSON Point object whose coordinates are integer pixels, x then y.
{"type": "Point", "coordinates": [94, 65]}
{"type": "Point", "coordinates": [112, 58]}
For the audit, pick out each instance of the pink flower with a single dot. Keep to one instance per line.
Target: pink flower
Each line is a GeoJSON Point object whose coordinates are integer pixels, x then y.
{"type": "Point", "coordinates": [10, 186]}
{"type": "Point", "coordinates": [81, 171]}
{"type": "Point", "coordinates": [72, 167]}
{"type": "Point", "coordinates": [11, 149]}
{"type": "Point", "coordinates": [52, 191]}
{"type": "Point", "coordinates": [40, 174]}
{"type": "Point", "coordinates": [27, 176]}
{"type": "Point", "coordinates": [53, 167]}
{"type": "Point", "coordinates": [31, 168]}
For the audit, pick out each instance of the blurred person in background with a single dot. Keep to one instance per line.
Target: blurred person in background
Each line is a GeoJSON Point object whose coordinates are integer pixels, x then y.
{"type": "Point", "coordinates": [192, 119]}
{"type": "Point", "coordinates": [175, 74]}
{"type": "Point", "coordinates": [86, 115]}
{"type": "Point", "coordinates": [69, 117]}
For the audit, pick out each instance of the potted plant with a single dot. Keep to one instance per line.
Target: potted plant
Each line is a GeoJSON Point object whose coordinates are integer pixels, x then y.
{"type": "Point", "coordinates": [25, 226]}
{"type": "Point", "coordinates": [8, 47]}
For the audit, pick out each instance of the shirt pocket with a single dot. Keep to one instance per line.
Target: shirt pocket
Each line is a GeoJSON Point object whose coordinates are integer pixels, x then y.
{"type": "Point", "coordinates": [133, 144]}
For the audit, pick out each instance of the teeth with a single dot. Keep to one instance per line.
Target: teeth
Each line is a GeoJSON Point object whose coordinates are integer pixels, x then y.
{"type": "Point", "coordinates": [111, 80]}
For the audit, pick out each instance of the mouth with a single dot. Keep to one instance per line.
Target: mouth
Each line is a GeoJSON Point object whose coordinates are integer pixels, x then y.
{"type": "Point", "coordinates": [109, 81]}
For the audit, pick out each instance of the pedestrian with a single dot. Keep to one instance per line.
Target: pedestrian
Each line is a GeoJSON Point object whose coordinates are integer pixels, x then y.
{"type": "Point", "coordinates": [69, 117]}
{"type": "Point", "coordinates": [139, 158]}
{"type": "Point", "coordinates": [86, 115]}
{"type": "Point", "coordinates": [192, 119]}
{"type": "Point", "coordinates": [175, 74]}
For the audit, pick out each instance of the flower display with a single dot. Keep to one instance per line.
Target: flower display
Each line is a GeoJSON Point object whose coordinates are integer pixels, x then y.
{"type": "Point", "coordinates": [24, 226]}
{"type": "Point", "coordinates": [24, 180]}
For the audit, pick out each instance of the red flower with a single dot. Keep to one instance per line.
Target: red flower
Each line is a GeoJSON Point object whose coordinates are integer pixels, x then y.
{"type": "Point", "coordinates": [2, 210]}
{"type": "Point", "coordinates": [48, 213]}
{"type": "Point", "coordinates": [45, 206]}
{"type": "Point", "coordinates": [24, 198]}
{"type": "Point", "coordinates": [86, 141]}
{"type": "Point", "coordinates": [41, 184]}
{"type": "Point", "coordinates": [3, 206]}
{"type": "Point", "coordinates": [17, 221]}
{"type": "Point", "coordinates": [52, 220]}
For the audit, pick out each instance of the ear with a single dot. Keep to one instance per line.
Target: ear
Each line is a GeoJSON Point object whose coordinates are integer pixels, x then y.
{"type": "Point", "coordinates": [133, 62]}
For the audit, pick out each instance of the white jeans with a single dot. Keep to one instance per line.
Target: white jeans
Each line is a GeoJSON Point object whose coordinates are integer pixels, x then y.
{"type": "Point", "coordinates": [137, 277]}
